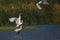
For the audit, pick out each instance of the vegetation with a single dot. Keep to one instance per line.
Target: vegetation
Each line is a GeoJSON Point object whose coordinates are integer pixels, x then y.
{"type": "Point", "coordinates": [50, 14]}
{"type": "Point", "coordinates": [12, 28]}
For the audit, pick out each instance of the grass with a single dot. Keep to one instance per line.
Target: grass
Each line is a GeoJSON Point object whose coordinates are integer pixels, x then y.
{"type": "Point", "coordinates": [30, 28]}
{"type": "Point", "coordinates": [25, 28]}
{"type": "Point", "coordinates": [6, 28]}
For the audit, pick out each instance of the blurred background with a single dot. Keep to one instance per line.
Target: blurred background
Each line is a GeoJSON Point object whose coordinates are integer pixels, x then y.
{"type": "Point", "coordinates": [50, 14]}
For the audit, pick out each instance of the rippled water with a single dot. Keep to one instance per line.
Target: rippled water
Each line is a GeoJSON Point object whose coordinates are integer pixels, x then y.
{"type": "Point", "coordinates": [46, 32]}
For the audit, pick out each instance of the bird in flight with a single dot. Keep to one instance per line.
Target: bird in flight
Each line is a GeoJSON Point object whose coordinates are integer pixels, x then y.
{"type": "Point", "coordinates": [18, 22]}
{"type": "Point", "coordinates": [41, 2]}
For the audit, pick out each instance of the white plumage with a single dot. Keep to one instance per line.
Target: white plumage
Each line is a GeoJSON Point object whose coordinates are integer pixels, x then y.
{"type": "Point", "coordinates": [38, 6]}
{"type": "Point", "coordinates": [19, 29]}
{"type": "Point", "coordinates": [18, 21]}
{"type": "Point", "coordinates": [12, 19]}
{"type": "Point", "coordinates": [45, 2]}
{"type": "Point", "coordinates": [41, 2]}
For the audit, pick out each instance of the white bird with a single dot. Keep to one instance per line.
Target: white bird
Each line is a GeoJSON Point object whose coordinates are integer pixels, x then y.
{"type": "Point", "coordinates": [41, 2]}
{"type": "Point", "coordinates": [18, 21]}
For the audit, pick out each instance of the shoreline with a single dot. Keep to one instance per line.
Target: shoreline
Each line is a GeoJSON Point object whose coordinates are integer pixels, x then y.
{"type": "Point", "coordinates": [12, 28]}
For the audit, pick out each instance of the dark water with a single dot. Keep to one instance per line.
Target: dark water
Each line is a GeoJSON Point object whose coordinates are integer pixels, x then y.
{"type": "Point", "coordinates": [46, 32]}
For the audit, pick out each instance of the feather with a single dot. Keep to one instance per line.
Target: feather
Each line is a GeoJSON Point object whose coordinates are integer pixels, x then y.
{"type": "Point", "coordinates": [38, 6]}
{"type": "Point", "coordinates": [45, 2]}
{"type": "Point", "coordinates": [12, 19]}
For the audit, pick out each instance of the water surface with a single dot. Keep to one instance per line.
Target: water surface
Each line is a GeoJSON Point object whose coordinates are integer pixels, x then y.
{"type": "Point", "coordinates": [46, 32]}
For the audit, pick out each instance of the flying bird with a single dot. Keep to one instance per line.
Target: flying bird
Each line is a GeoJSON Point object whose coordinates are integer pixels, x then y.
{"type": "Point", "coordinates": [41, 2]}
{"type": "Point", "coordinates": [18, 22]}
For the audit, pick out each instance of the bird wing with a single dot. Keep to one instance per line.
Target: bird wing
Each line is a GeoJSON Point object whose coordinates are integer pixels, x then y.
{"type": "Point", "coordinates": [39, 2]}
{"type": "Point", "coordinates": [18, 21]}
{"type": "Point", "coordinates": [12, 19]}
{"type": "Point", "coordinates": [38, 6]}
{"type": "Point", "coordinates": [45, 2]}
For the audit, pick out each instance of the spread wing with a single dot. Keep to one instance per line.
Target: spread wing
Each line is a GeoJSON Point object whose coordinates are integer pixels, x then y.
{"type": "Point", "coordinates": [45, 2]}
{"type": "Point", "coordinates": [12, 19]}
{"type": "Point", "coordinates": [38, 6]}
{"type": "Point", "coordinates": [41, 2]}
